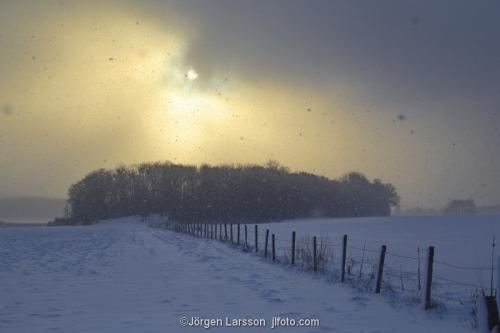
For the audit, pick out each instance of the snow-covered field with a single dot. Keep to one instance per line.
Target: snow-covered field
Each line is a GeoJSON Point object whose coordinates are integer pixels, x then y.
{"type": "Point", "coordinates": [463, 250]}
{"type": "Point", "coordinates": [122, 276]}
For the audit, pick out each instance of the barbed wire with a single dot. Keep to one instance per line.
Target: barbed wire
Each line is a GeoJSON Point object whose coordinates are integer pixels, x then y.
{"type": "Point", "coordinates": [463, 267]}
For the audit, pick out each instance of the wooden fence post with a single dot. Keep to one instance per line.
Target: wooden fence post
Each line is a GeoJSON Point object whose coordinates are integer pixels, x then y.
{"type": "Point", "coordinates": [246, 237]}
{"type": "Point", "coordinates": [315, 255]}
{"type": "Point", "coordinates": [231, 227]}
{"type": "Point", "coordinates": [267, 240]}
{"type": "Point", "coordinates": [238, 234]}
{"type": "Point", "coordinates": [225, 231]}
{"type": "Point", "coordinates": [344, 256]}
{"type": "Point", "coordinates": [293, 248]}
{"type": "Point", "coordinates": [256, 238]}
{"type": "Point", "coordinates": [428, 278]}
{"type": "Point", "coordinates": [380, 269]}
{"type": "Point", "coordinates": [274, 248]}
{"type": "Point", "coordinates": [220, 231]}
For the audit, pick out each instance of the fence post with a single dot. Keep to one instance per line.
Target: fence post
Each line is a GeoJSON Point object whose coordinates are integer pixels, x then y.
{"type": "Point", "coordinates": [274, 248]}
{"type": "Point", "coordinates": [231, 228]}
{"type": "Point", "coordinates": [344, 256]}
{"type": "Point", "coordinates": [215, 231]}
{"type": "Point", "coordinates": [225, 231]}
{"type": "Point", "coordinates": [238, 234]}
{"type": "Point", "coordinates": [246, 237]}
{"type": "Point", "coordinates": [293, 248]}
{"type": "Point", "coordinates": [256, 238]}
{"type": "Point", "coordinates": [220, 231]}
{"type": "Point", "coordinates": [265, 246]}
{"type": "Point", "coordinates": [428, 278]}
{"type": "Point", "coordinates": [380, 269]}
{"type": "Point", "coordinates": [315, 258]}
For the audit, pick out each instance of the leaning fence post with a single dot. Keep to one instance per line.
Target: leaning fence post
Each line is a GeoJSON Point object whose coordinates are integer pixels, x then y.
{"type": "Point", "coordinates": [344, 256]}
{"type": "Point", "coordinates": [293, 248]}
{"type": "Point", "coordinates": [256, 238]}
{"type": "Point", "coordinates": [487, 314]}
{"type": "Point", "coordinates": [428, 278]}
{"type": "Point", "coordinates": [315, 255]}
{"type": "Point", "coordinates": [380, 269]}
{"type": "Point", "coordinates": [274, 248]}
{"type": "Point", "coordinates": [265, 246]}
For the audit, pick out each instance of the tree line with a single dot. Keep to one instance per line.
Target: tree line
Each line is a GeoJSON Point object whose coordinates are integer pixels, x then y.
{"type": "Point", "coordinates": [223, 193]}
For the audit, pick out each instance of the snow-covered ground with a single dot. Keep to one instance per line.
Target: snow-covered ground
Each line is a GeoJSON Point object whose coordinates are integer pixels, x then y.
{"type": "Point", "coordinates": [463, 250]}
{"type": "Point", "coordinates": [122, 276]}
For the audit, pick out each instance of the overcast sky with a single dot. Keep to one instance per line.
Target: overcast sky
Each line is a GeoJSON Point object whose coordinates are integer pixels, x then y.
{"type": "Point", "coordinates": [405, 91]}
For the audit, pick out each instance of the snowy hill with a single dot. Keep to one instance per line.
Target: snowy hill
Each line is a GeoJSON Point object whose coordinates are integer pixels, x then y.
{"type": "Point", "coordinates": [122, 276]}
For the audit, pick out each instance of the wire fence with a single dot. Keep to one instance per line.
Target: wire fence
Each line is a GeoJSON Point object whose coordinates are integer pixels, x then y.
{"type": "Point", "coordinates": [451, 285]}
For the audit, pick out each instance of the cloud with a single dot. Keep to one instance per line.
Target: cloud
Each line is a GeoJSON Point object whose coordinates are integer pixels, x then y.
{"type": "Point", "coordinates": [104, 82]}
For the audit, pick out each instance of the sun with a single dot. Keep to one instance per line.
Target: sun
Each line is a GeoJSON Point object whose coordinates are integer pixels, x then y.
{"type": "Point", "coordinates": [192, 75]}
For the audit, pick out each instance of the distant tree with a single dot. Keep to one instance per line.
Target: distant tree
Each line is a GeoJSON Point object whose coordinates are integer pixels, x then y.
{"type": "Point", "coordinates": [460, 207]}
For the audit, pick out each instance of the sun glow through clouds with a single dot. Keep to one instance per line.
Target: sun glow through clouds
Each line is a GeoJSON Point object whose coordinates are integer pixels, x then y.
{"type": "Point", "coordinates": [192, 75]}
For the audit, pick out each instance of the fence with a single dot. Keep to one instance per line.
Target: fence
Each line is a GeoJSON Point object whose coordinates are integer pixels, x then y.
{"type": "Point", "coordinates": [420, 278]}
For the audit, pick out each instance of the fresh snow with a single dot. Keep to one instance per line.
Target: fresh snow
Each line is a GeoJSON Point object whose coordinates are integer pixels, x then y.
{"type": "Point", "coordinates": [123, 276]}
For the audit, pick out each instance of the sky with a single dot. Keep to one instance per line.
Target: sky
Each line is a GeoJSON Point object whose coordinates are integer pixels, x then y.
{"type": "Point", "coordinates": [404, 91]}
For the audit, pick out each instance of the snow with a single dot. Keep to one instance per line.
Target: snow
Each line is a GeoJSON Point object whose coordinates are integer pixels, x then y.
{"type": "Point", "coordinates": [463, 248]}
{"type": "Point", "coordinates": [123, 276]}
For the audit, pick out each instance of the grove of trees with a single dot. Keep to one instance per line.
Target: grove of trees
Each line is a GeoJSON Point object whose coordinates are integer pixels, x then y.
{"type": "Point", "coordinates": [224, 193]}
{"type": "Point", "coordinates": [460, 207]}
